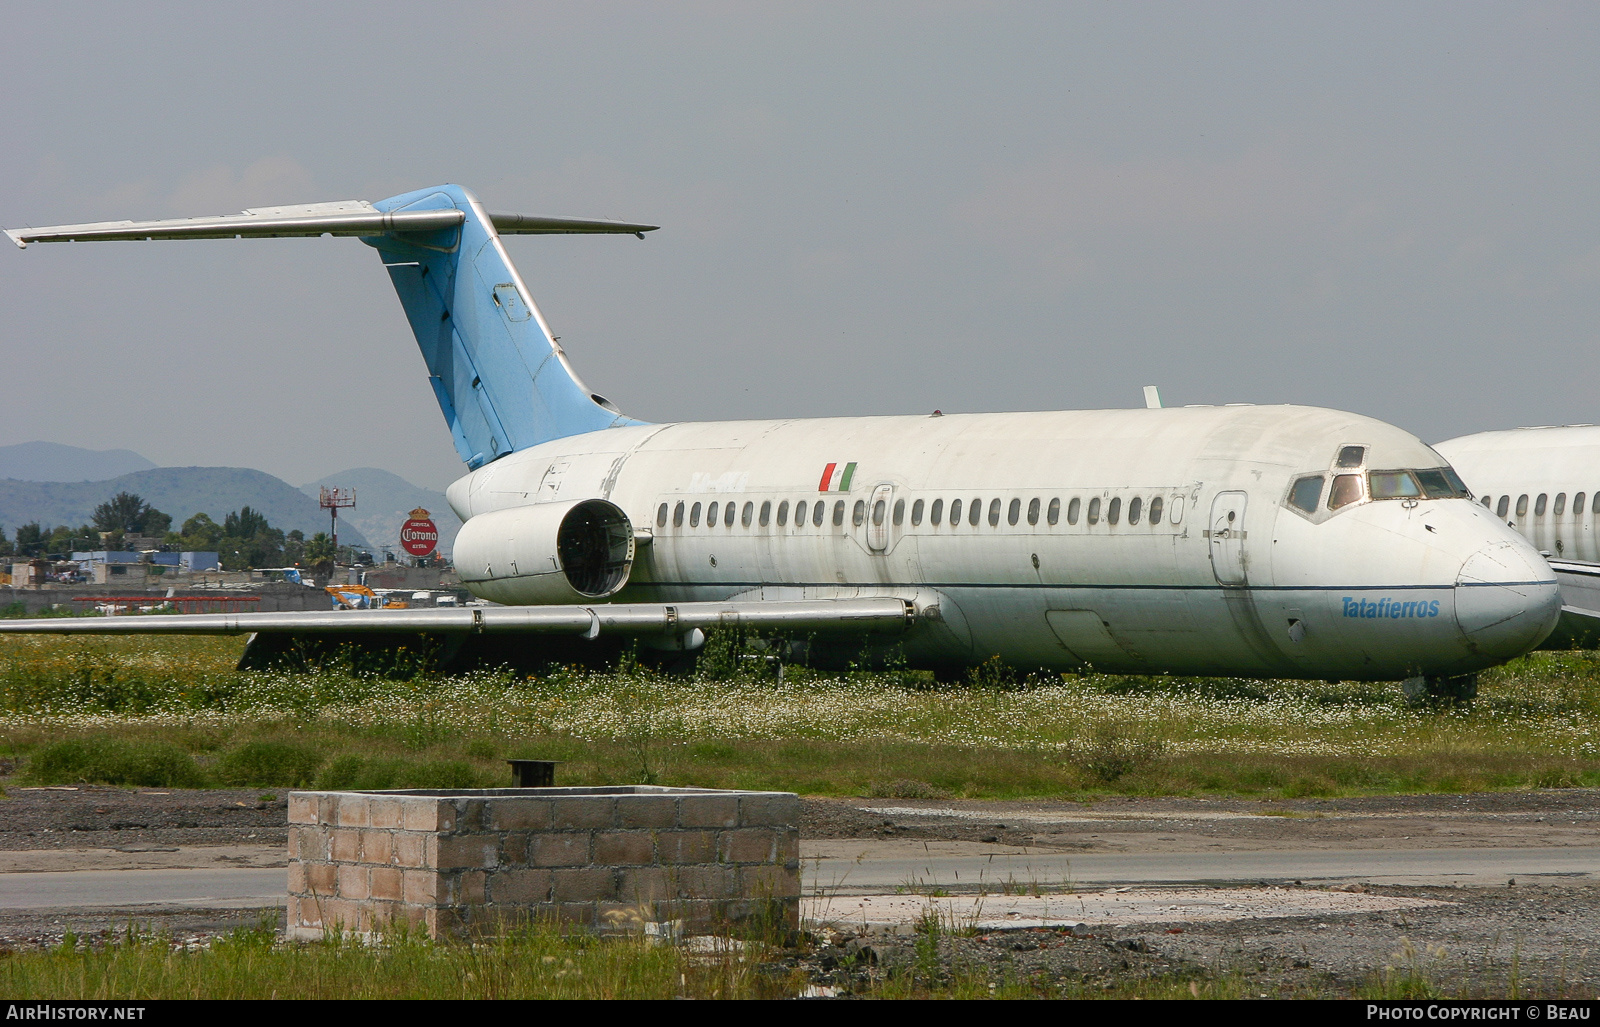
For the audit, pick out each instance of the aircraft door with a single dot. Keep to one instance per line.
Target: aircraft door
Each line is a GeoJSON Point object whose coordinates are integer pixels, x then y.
{"type": "Point", "coordinates": [1227, 536]}
{"type": "Point", "coordinates": [880, 512]}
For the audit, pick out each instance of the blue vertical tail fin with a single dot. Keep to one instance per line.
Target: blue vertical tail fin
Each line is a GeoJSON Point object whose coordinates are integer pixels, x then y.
{"type": "Point", "coordinates": [499, 375]}
{"type": "Point", "coordinates": [501, 378]}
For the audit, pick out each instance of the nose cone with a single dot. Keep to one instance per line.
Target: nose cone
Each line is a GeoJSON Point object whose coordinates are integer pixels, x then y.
{"type": "Point", "coordinates": [1507, 599]}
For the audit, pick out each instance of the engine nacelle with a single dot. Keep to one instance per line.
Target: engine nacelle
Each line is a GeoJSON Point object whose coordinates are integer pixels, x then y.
{"type": "Point", "coordinates": [576, 552]}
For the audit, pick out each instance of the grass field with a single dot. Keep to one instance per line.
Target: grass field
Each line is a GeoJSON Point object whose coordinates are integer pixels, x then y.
{"type": "Point", "coordinates": [173, 712]}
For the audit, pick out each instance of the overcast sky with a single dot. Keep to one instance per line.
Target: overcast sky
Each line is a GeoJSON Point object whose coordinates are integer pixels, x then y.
{"type": "Point", "coordinates": [865, 208]}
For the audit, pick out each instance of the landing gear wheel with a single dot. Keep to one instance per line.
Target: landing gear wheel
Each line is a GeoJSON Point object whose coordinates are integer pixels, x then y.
{"type": "Point", "coordinates": [1462, 688]}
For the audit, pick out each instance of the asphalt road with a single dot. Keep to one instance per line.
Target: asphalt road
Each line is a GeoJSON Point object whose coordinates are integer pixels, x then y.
{"type": "Point", "coordinates": [866, 866]}
{"type": "Point", "coordinates": [229, 888]}
{"type": "Point", "coordinates": [851, 866]}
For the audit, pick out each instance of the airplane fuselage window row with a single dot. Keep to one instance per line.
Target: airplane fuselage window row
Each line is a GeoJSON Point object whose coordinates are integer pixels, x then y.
{"type": "Point", "coordinates": [935, 513]}
{"type": "Point", "coordinates": [1542, 505]}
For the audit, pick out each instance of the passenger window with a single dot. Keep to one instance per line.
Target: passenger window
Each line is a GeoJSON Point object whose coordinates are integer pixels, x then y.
{"type": "Point", "coordinates": [936, 514]}
{"type": "Point", "coordinates": [817, 513]}
{"type": "Point", "coordinates": [916, 513]}
{"type": "Point", "coordinates": [1541, 504]}
{"type": "Point", "coordinates": [1561, 504]}
{"type": "Point", "coordinates": [1522, 506]}
{"type": "Point", "coordinates": [1054, 513]}
{"type": "Point", "coordinates": [1346, 490]}
{"type": "Point", "coordinates": [1351, 456]}
{"type": "Point", "coordinates": [878, 512]}
{"type": "Point", "coordinates": [1094, 510]}
{"type": "Point", "coordinates": [661, 516]}
{"type": "Point", "coordinates": [1488, 501]}
{"type": "Point", "coordinates": [1033, 510]}
{"type": "Point", "coordinates": [859, 514]}
{"type": "Point", "coordinates": [694, 516]}
{"type": "Point", "coordinates": [994, 513]}
{"type": "Point", "coordinates": [955, 512]}
{"type": "Point", "coordinates": [677, 515]}
{"type": "Point", "coordinates": [899, 512]}
{"type": "Point", "coordinates": [747, 515]}
{"type": "Point", "coordinates": [1504, 507]}
{"type": "Point", "coordinates": [1306, 493]}
{"type": "Point", "coordinates": [1135, 507]}
{"type": "Point", "coordinates": [711, 515]}
{"type": "Point", "coordinates": [1176, 514]}
{"type": "Point", "coordinates": [727, 514]}
{"type": "Point", "coordinates": [1596, 508]}
{"type": "Point", "coordinates": [1072, 510]}
{"type": "Point", "coordinates": [1014, 511]}
{"type": "Point", "coordinates": [974, 512]}
{"type": "Point", "coordinates": [800, 514]}
{"type": "Point", "coordinates": [838, 513]}
{"type": "Point", "coordinates": [1114, 511]}
{"type": "Point", "coordinates": [1577, 505]}
{"type": "Point", "coordinates": [783, 513]}
{"type": "Point", "coordinates": [1155, 510]}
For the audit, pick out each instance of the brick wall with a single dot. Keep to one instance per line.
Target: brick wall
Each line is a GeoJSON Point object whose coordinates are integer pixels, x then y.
{"type": "Point", "coordinates": [469, 862]}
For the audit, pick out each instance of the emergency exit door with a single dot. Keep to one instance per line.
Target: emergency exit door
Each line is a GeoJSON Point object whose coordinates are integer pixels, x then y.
{"type": "Point", "coordinates": [1227, 538]}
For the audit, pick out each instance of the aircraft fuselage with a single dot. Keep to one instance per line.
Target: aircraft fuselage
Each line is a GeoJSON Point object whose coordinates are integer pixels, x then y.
{"type": "Point", "coordinates": [1129, 540]}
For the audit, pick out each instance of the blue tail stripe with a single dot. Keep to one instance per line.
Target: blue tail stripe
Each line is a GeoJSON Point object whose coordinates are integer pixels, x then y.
{"type": "Point", "coordinates": [501, 380]}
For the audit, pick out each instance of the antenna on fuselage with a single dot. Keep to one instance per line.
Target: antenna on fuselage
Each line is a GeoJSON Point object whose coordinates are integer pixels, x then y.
{"type": "Point", "coordinates": [1152, 397]}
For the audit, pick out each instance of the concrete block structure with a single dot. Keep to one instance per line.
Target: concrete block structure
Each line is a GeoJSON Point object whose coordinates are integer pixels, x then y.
{"type": "Point", "coordinates": [462, 863]}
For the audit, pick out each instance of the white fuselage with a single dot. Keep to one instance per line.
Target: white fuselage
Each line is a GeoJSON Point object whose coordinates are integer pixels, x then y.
{"type": "Point", "coordinates": [1067, 562]}
{"type": "Point", "coordinates": [1543, 482]}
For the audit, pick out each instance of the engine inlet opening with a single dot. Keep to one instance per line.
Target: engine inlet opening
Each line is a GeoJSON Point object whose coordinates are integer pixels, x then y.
{"type": "Point", "coordinates": [596, 548]}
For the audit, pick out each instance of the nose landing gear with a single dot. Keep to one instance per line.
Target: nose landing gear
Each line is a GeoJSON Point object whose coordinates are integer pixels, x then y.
{"type": "Point", "coordinates": [1460, 689]}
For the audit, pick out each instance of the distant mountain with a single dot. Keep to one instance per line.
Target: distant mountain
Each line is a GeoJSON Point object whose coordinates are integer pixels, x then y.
{"type": "Point", "coordinates": [179, 491]}
{"type": "Point", "coordinates": [51, 461]}
{"type": "Point", "coordinates": [383, 503]}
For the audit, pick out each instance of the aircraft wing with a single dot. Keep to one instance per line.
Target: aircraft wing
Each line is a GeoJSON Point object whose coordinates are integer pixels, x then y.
{"type": "Point", "coordinates": [1579, 627]}
{"type": "Point", "coordinates": [811, 615]}
{"type": "Point", "coordinates": [341, 217]}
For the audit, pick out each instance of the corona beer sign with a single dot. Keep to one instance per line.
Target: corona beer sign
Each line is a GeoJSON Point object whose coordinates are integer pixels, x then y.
{"type": "Point", "coordinates": [419, 536]}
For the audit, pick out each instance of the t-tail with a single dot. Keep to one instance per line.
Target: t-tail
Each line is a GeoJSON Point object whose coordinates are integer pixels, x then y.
{"type": "Point", "coordinates": [501, 378]}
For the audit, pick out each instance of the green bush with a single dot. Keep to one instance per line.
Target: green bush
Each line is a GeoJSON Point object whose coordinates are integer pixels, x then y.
{"type": "Point", "coordinates": [361, 773]}
{"type": "Point", "coordinates": [267, 763]}
{"type": "Point", "coordinates": [112, 761]}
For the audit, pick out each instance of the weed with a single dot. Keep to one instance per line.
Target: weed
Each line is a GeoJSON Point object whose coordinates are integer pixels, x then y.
{"type": "Point", "coordinates": [1114, 749]}
{"type": "Point", "coordinates": [906, 788]}
{"type": "Point", "coordinates": [114, 761]}
{"type": "Point", "coordinates": [286, 764]}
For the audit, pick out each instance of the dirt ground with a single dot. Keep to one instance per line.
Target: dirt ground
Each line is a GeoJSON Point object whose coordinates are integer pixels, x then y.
{"type": "Point", "coordinates": [1537, 938]}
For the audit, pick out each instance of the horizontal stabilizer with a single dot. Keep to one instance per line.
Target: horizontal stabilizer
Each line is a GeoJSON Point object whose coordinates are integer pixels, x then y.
{"type": "Point", "coordinates": [342, 217]}
{"type": "Point", "coordinates": [1579, 626]}
{"type": "Point", "coordinates": [811, 615]}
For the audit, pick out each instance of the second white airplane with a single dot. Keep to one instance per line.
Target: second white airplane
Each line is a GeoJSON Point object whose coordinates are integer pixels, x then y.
{"type": "Point", "coordinates": [1260, 541]}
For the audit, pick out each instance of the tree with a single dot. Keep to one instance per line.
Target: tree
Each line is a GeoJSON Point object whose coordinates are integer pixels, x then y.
{"type": "Point", "coordinates": [201, 534]}
{"type": "Point", "coordinates": [245, 523]}
{"type": "Point", "coordinates": [30, 539]}
{"type": "Point", "coordinates": [128, 512]}
{"type": "Point", "coordinates": [319, 552]}
{"type": "Point", "coordinates": [5, 544]}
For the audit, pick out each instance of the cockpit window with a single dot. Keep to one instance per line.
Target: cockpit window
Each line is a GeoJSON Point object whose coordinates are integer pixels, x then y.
{"type": "Point", "coordinates": [1351, 456]}
{"type": "Point", "coordinates": [1435, 485]}
{"type": "Point", "coordinates": [1305, 493]}
{"type": "Point", "coordinates": [1346, 490]}
{"type": "Point", "coordinates": [1394, 485]}
{"type": "Point", "coordinates": [1455, 481]}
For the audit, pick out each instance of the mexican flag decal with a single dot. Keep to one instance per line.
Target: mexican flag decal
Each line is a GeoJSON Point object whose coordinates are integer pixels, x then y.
{"type": "Point", "coordinates": [836, 478]}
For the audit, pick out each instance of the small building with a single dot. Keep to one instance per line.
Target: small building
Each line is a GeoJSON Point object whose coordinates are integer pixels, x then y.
{"type": "Point", "coordinates": [103, 566]}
